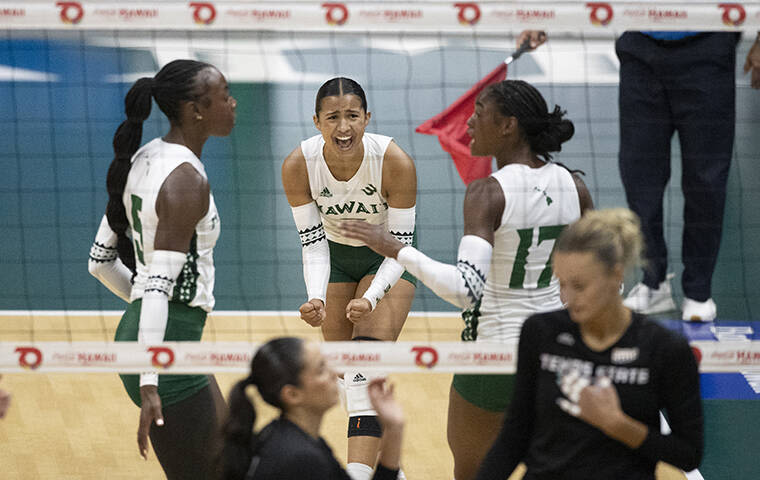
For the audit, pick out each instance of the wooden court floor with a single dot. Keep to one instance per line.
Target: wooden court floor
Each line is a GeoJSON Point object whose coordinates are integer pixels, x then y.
{"type": "Point", "coordinates": [68, 426]}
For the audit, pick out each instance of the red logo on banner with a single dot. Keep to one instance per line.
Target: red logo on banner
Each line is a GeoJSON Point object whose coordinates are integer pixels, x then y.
{"type": "Point", "coordinates": [601, 13]}
{"type": "Point", "coordinates": [697, 354]}
{"type": "Point", "coordinates": [71, 12]}
{"type": "Point", "coordinates": [204, 13]}
{"type": "Point", "coordinates": [163, 357]}
{"type": "Point", "coordinates": [336, 13]}
{"type": "Point", "coordinates": [426, 356]}
{"type": "Point", "coordinates": [733, 14]}
{"type": "Point", "coordinates": [469, 13]}
{"type": "Point", "coordinates": [29, 357]}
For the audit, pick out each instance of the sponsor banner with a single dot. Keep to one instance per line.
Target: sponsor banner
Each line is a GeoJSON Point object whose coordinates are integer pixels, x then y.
{"type": "Point", "coordinates": [726, 357]}
{"type": "Point", "coordinates": [396, 16]}
{"type": "Point", "coordinates": [204, 357]}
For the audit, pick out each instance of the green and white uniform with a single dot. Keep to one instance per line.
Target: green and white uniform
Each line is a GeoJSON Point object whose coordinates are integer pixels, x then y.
{"type": "Point", "coordinates": [150, 166]}
{"type": "Point", "coordinates": [359, 198]}
{"type": "Point", "coordinates": [192, 295]}
{"type": "Point", "coordinates": [539, 203]}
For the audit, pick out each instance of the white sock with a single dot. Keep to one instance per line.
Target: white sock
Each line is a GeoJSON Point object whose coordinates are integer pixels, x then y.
{"type": "Point", "coordinates": [359, 471]}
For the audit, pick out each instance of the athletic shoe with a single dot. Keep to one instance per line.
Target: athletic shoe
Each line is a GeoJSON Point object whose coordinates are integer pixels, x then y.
{"type": "Point", "coordinates": [694, 311]}
{"type": "Point", "coordinates": [648, 301]}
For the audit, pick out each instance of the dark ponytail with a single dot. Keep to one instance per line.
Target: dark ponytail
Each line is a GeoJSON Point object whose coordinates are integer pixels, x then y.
{"type": "Point", "coordinates": [126, 141]}
{"type": "Point", "coordinates": [177, 82]}
{"type": "Point", "coordinates": [544, 131]}
{"type": "Point", "coordinates": [238, 432]}
{"type": "Point", "coordinates": [277, 363]}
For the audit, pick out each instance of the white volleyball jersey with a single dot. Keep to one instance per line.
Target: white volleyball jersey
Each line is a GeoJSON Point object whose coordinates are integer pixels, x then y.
{"type": "Point", "coordinates": [539, 203]}
{"type": "Point", "coordinates": [151, 164]}
{"type": "Point", "coordinates": [359, 198]}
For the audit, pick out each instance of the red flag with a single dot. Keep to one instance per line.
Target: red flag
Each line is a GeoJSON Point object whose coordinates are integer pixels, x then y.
{"type": "Point", "coordinates": [451, 127]}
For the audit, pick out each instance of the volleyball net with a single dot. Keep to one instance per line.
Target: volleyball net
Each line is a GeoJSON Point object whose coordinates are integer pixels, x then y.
{"type": "Point", "coordinates": [65, 67]}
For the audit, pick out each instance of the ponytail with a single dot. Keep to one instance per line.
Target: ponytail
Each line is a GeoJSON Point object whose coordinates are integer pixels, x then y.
{"type": "Point", "coordinates": [126, 141]}
{"type": "Point", "coordinates": [544, 131]}
{"type": "Point", "coordinates": [238, 432]}
{"type": "Point", "coordinates": [277, 363]}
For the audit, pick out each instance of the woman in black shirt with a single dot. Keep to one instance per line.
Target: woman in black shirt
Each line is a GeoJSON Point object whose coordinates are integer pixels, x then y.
{"type": "Point", "coordinates": [593, 378]}
{"type": "Point", "coordinates": [293, 376]}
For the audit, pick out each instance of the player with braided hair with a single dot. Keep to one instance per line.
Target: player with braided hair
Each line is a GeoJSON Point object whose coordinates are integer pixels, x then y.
{"type": "Point", "coordinates": [154, 249]}
{"type": "Point", "coordinates": [503, 272]}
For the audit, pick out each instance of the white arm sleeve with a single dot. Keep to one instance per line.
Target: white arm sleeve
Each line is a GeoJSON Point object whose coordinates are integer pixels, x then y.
{"type": "Point", "coordinates": [400, 225]}
{"type": "Point", "coordinates": [315, 251]}
{"type": "Point", "coordinates": [165, 267]}
{"type": "Point", "coordinates": [104, 263]}
{"type": "Point", "coordinates": [461, 285]}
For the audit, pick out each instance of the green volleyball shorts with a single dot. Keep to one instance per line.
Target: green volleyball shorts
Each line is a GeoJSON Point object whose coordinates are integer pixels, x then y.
{"type": "Point", "coordinates": [351, 264]}
{"type": "Point", "coordinates": [489, 392]}
{"type": "Point", "coordinates": [185, 324]}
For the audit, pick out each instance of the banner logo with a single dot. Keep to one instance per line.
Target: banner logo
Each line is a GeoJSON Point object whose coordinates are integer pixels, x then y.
{"type": "Point", "coordinates": [71, 12]}
{"type": "Point", "coordinates": [29, 357]}
{"type": "Point", "coordinates": [601, 13]}
{"type": "Point", "coordinates": [469, 13]}
{"type": "Point", "coordinates": [733, 14]}
{"type": "Point", "coordinates": [204, 13]}
{"type": "Point", "coordinates": [426, 356]}
{"type": "Point", "coordinates": [697, 354]}
{"type": "Point", "coordinates": [335, 13]}
{"type": "Point", "coordinates": [163, 357]}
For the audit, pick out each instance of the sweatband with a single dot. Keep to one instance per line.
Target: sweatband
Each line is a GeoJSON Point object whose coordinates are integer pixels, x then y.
{"type": "Point", "coordinates": [165, 266]}
{"type": "Point", "coordinates": [400, 225]}
{"type": "Point", "coordinates": [461, 285]}
{"type": "Point", "coordinates": [105, 265]}
{"type": "Point", "coordinates": [315, 252]}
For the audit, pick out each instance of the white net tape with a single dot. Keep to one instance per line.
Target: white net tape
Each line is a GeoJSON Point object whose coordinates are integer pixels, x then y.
{"type": "Point", "coordinates": [206, 357]}
{"type": "Point", "coordinates": [386, 16]}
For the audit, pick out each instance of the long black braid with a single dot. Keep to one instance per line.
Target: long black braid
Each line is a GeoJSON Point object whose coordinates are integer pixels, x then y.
{"type": "Point", "coordinates": [177, 82]}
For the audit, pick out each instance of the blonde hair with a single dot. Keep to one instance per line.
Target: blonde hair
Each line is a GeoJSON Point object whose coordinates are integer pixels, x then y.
{"type": "Point", "coordinates": [612, 235]}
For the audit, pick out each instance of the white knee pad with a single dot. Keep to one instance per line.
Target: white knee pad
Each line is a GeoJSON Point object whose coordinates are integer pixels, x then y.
{"type": "Point", "coordinates": [357, 401]}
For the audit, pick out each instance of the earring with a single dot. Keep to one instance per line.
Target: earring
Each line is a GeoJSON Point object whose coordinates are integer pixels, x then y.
{"type": "Point", "coordinates": [198, 117]}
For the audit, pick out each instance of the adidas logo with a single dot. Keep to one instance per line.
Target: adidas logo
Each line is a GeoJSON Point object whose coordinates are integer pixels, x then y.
{"type": "Point", "coordinates": [359, 378]}
{"type": "Point", "coordinates": [325, 192]}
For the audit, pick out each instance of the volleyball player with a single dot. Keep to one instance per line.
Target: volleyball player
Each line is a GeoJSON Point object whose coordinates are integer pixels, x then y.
{"type": "Point", "coordinates": [352, 292]}
{"type": "Point", "coordinates": [159, 196]}
{"type": "Point", "coordinates": [592, 378]}
{"type": "Point", "coordinates": [293, 376]}
{"type": "Point", "coordinates": [503, 271]}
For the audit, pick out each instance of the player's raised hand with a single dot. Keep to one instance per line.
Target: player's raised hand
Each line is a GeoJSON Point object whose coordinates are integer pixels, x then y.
{"type": "Point", "coordinates": [535, 38]}
{"type": "Point", "coordinates": [313, 312]}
